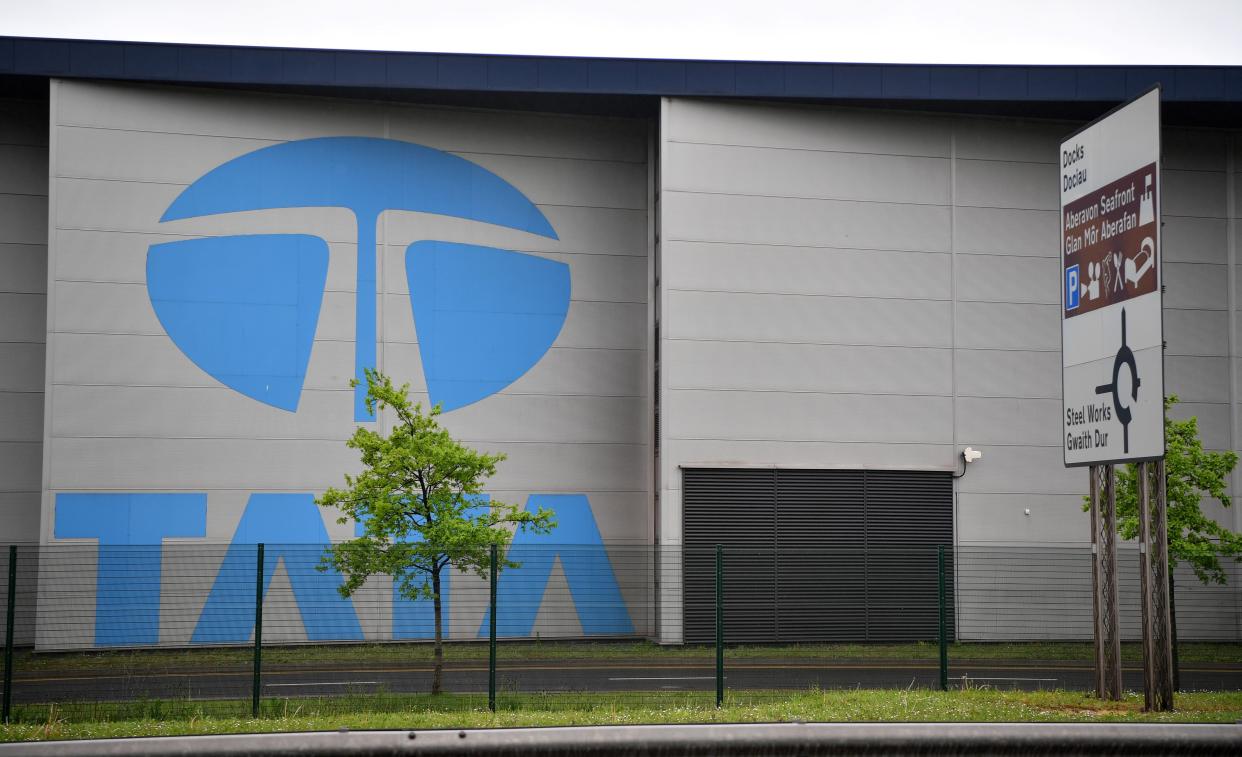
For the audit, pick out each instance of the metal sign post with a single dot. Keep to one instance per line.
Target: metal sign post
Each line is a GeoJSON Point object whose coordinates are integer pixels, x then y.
{"type": "Point", "coordinates": [1154, 564]}
{"type": "Point", "coordinates": [1112, 350]}
{"type": "Point", "coordinates": [1104, 579]}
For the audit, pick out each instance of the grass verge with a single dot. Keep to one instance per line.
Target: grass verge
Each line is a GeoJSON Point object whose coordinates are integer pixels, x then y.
{"type": "Point", "coordinates": [399, 653]}
{"type": "Point", "coordinates": [421, 712]}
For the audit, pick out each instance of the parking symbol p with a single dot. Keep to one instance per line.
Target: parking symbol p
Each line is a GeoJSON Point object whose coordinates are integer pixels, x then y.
{"type": "Point", "coordinates": [1071, 287]}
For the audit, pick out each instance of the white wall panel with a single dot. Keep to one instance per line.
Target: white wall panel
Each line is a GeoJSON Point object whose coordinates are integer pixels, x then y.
{"type": "Point", "coordinates": [1004, 231]}
{"type": "Point", "coordinates": [132, 413]}
{"type": "Point", "coordinates": [805, 270]}
{"type": "Point", "coordinates": [744, 270]}
{"type": "Point", "coordinates": [783, 172]}
{"type": "Point", "coordinates": [797, 221]}
{"type": "Point", "coordinates": [818, 320]}
{"type": "Point", "coordinates": [1196, 285]}
{"type": "Point", "coordinates": [1197, 194]}
{"type": "Point", "coordinates": [1008, 373]}
{"type": "Point", "coordinates": [1006, 184]}
{"type": "Point", "coordinates": [1194, 240]}
{"type": "Point", "coordinates": [772, 366]}
{"type": "Point", "coordinates": [1006, 325]}
{"type": "Point", "coordinates": [848, 130]}
{"type": "Point", "coordinates": [1197, 379]}
{"type": "Point", "coordinates": [805, 416]}
{"type": "Point", "coordinates": [1009, 420]}
{"type": "Point", "coordinates": [1007, 278]}
{"type": "Point", "coordinates": [1001, 518]}
{"type": "Point", "coordinates": [1196, 332]}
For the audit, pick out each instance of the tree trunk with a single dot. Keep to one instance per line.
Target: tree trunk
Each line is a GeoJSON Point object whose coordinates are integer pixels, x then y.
{"type": "Point", "coordinates": [437, 676]}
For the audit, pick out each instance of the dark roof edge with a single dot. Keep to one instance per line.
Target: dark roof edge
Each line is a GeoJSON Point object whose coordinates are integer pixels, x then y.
{"type": "Point", "coordinates": [294, 67]}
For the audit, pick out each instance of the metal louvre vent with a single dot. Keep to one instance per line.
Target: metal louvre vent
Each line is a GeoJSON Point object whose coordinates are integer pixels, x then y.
{"type": "Point", "coordinates": [736, 508]}
{"type": "Point", "coordinates": [815, 555]}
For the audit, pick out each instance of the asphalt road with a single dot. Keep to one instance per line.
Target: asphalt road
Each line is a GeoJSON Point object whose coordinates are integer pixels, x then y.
{"type": "Point", "coordinates": [581, 677]}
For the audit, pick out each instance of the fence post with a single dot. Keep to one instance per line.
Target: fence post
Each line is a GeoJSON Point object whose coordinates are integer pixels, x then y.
{"type": "Point", "coordinates": [256, 685]}
{"type": "Point", "coordinates": [944, 626]}
{"type": "Point", "coordinates": [491, 636]}
{"type": "Point", "coordinates": [719, 626]}
{"type": "Point", "coordinates": [8, 635]}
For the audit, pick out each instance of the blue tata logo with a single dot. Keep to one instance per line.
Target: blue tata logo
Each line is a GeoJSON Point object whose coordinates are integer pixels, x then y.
{"type": "Point", "coordinates": [245, 308]}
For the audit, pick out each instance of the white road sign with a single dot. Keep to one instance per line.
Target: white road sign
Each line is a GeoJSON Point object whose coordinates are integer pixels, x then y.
{"type": "Point", "coordinates": [1112, 334]}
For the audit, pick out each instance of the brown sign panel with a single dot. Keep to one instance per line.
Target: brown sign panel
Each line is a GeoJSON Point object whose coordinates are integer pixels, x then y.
{"type": "Point", "coordinates": [1110, 243]}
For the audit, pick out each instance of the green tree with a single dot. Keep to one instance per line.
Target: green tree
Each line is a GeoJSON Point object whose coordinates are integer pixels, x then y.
{"type": "Point", "coordinates": [1190, 474]}
{"type": "Point", "coordinates": [417, 501]}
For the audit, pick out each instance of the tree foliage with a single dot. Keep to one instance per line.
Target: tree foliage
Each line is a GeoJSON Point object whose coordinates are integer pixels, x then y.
{"type": "Point", "coordinates": [418, 500]}
{"type": "Point", "coordinates": [1191, 473]}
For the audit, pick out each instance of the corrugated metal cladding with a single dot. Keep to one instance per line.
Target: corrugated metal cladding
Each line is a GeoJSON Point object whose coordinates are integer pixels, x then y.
{"type": "Point", "coordinates": [815, 555]}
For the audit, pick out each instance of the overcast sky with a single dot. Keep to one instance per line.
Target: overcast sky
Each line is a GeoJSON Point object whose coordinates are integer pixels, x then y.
{"type": "Point", "coordinates": [1191, 32]}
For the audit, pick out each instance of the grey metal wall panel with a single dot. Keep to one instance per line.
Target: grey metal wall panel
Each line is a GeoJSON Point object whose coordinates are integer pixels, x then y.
{"type": "Point", "coordinates": [806, 416]}
{"type": "Point", "coordinates": [811, 320]}
{"type": "Point", "coordinates": [1195, 240]}
{"type": "Point", "coordinates": [1196, 332]}
{"type": "Point", "coordinates": [1006, 184]}
{"type": "Point", "coordinates": [1007, 278]}
{"type": "Point", "coordinates": [805, 270]}
{"type": "Point", "coordinates": [1196, 285]}
{"type": "Point", "coordinates": [849, 130]}
{"type": "Point", "coordinates": [21, 367]}
{"type": "Point", "coordinates": [1005, 231]}
{"type": "Point", "coordinates": [1197, 194]}
{"type": "Point", "coordinates": [755, 219]}
{"type": "Point", "coordinates": [153, 421]}
{"type": "Point", "coordinates": [1006, 139]}
{"type": "Point", "coordinates": [25, 169]}
{"type": "Point", "coordinates": [1195, 149]}
{"type": "Point", "coordinates": [784, 172]}
{"type": "Point", "coordinates": [21, 317]}
{"type": "Point", "coordinates": [1022, 469]}
{"type": "Point", "coordinates": [991, 517]}
{"type": "Point", "coordinates": [25, 268]}
{"type": "Point", "coordinates": [770, 366]}
{"type": "Point", "coordinates": [1008, 325]}
{"type": "Point", "coordinates": [1202, 379]}
{"type": "Point", "coordinates": [23, 313]}
{"type": "Point", "coordinates": [21, 465]}
{"type": "Point", "coordinates": [990, 299]}
{"type": "Point", "coordinates": [1008, 373]}
{"type": "Point", "coordinates": [1010, 420]}
{"type": "Point", "coordinates": [1213, 418]}
{"type": "Point", "coordinates": [24, 218]}
{"type": "Point", "coordinates": [21, 416]}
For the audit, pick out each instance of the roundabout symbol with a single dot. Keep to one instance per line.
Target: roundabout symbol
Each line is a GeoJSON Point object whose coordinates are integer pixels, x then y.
{"type": "Point", "coordinates": [1125, 357]}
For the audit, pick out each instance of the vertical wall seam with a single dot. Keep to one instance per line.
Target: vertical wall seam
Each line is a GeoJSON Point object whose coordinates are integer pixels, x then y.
{"type": "Point", "coordinates": [1231, 266]}
{"type": "Point", "coordinates": [650, 431]}
{"type": "Point", "coordinates": [45, 496]}
{"type": "Point", "coordinates": [953, 342]}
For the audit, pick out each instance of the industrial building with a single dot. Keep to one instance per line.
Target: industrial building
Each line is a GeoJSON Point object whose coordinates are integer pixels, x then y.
{"type": "Point", "coordinates": [760, 304]}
